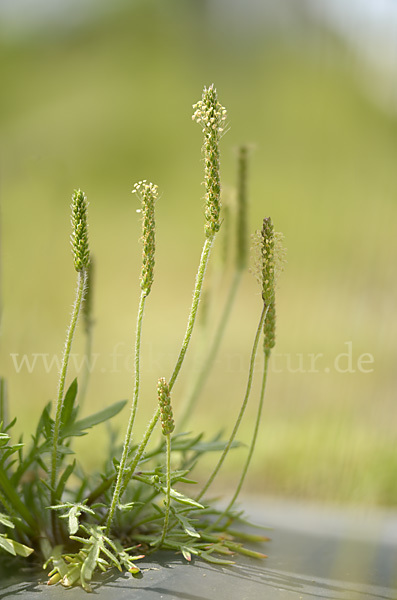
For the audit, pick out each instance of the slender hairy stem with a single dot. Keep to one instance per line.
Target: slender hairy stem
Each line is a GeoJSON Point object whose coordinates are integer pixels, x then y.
{"type": "Point", "coordinates": [88, 322]}
{"type": "Point", "coordinates": [211, 355]}
{"type": "Point", "coordinates": [138, 454]}
{"type": "Point", "coordinates": [193, 311]}
{"type": "Point", "coordinates": [168, 489]}
{"type": "Point", "coordinates": [253, 441]}
{"type": "Point", "coordinates": [189, 330]}
{"type": "Point", "coordinates": [86, 374]}
{"type": "Point", "coordinates": [127, 440]}
{"type": "Point", "coordinates": [81, 281]}
{"type": "Point", "coordinates": [242, 409]}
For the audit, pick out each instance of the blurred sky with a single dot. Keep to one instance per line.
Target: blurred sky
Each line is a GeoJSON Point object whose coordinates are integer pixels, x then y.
{"type": "Point", "coordinates": [358, 20]}
{"type": "Point", "coordinates": [369, 27]}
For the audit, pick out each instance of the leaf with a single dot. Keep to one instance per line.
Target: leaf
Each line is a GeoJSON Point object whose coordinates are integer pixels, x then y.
{"type": "Point", "coordinates": [89, 564]}
{"type": "Point", "coordinates": [6, 544]}
{"type": "Point", "coordinates": [64, 477]}
{"type": "Point", "coordinates": [183, 499]}
{"type": "Point", "coordinates": [4, 438]}
{"type": "Point", "coordinates": [58, 562]}
{"type": "Point", "coordinates": [68, 403]}
{"type": "Point", "coordinates": [242, 550]}
{"type": "Point", "coordinates": [73, 524]}
{"type": "Point", "coordinates": [186, 554]}
{"type": "Point", "coordinates": [62, 450]}
{"type": "Point", "coordinates": [182, 443]}
{"type": "Point", "coordinates": [21, 549]}
{"type": "Point", "coordinates": [129, 506]}
{"type": "Point", "coordinates": [73, 514]}
{"type": "Point", "coordinates": [72, 576]}
{"type": "Point", "coordinates": [78, 428]}
{"type": "Point", "coordinates": [4, 520]}
{"type": "Point", "coordinates": [10, 425]}
{"type": "Point", "coordinates": [214, 446]}
{"type": "Point", "coordinates": [109, 554]}
{"type": "Point", "coordinates": [216, 561]}
{"type": "Point", "coordinates": [13, 547]}
{"type": "Point", "coordinates": [187, 526]}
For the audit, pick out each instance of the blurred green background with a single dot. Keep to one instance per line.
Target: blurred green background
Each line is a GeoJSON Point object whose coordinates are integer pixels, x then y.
{"type": "Point", "coordinates": [99, 98]}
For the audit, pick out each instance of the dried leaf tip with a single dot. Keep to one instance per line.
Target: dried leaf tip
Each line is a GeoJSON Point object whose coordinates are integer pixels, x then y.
{"type": "Point", "coordinates": [79, 237]}
{"type": "Point", "coordinates": [148, 194]}
{"type": "Point", "coordinates": [164, 397]}
{"type": "Point", "coordinates": [211, 115]}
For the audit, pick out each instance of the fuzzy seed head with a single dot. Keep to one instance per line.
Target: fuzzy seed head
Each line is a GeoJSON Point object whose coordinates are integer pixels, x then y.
{"type": "Point", "coordinates": [211, 115]}
{"type": "Point", "coordinates": [79, 237]}
{"type": "Point", "coordinates": [166, 416]}
{"type": "Point", "coordinates": [269, 259]}
{"type": "Point", "coordinates": [148, 194]}
{"type": "Point", "coordinates": [267, 251]}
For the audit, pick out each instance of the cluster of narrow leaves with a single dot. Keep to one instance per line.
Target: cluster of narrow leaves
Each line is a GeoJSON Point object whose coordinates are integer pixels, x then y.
{"type": "Point", "coordinates": [82, 548]}
{"type": "Point", "coordinates": [97, 551]}
{"type": "Point", "coordinates": [10, 545]}
{"type": "Point", "coordinates": [24, 472]}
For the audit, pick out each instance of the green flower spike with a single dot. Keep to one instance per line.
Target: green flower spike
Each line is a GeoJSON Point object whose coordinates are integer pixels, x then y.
{"type": "Point", "coordinates": [166, 416]}
{"type": "Point", "coordinates": [267, 259]}
{"type": "Point", "coordinates": [272, 259]}
{"type": "Point", "coordinates": [148, 193]}
{"type": "Point", "coordinates": [79, 237]}
{"type": "Point", "coordinates": [269, 329]}
{"type": "Point", "coordinates": [211, 115]}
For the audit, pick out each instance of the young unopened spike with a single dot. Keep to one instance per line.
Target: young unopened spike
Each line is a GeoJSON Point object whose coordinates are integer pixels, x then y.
{"type": "Point", "coordinates": [79, 237]}
{"type": "Point", "coordinates": [166, 416]}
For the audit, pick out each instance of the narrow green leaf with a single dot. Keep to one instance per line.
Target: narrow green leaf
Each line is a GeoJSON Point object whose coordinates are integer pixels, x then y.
{"type": "Point", "coordinates": [186, 554]}
{"type": "Point", "coordinates": [21, 549]}
{"type": "Point", "coordinates": [4, 520]}
{"type": "Point", "coordinates": [6, 544]}
{"type": "Point", "coordinates": [214, 446]}
{"type": "Point", "coordinates": [13, 547]}
{"type": "Point", "coordinates": [103, 415]}
{"type": "Point", "coordinates": [216, 561]}
{"type": "Point", "coordinates": [63, 480]}
{"type": "Point", "coordinates": [111, 556]}
{"type": "Point", "coordinates": [10, 425]}
{"type": "Point", "coordinates": [47, 422]}
{"type": "Point", "coordinates": [74, 514]}
{"type": "Point", "coordinates": [187, 526]}
{"type": "Point", "coordinates": [242, 550]}
{"type": "Point", "coordinates": [62, 450]}
{"type": "Point", "coordinates": [68, 403]}
{"type": "Point", "coordinates": [90, 563]}
{"type": "Point", "coordinates": [72, 576]}
{"type": "Point", "coordinates": [183, 499]}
